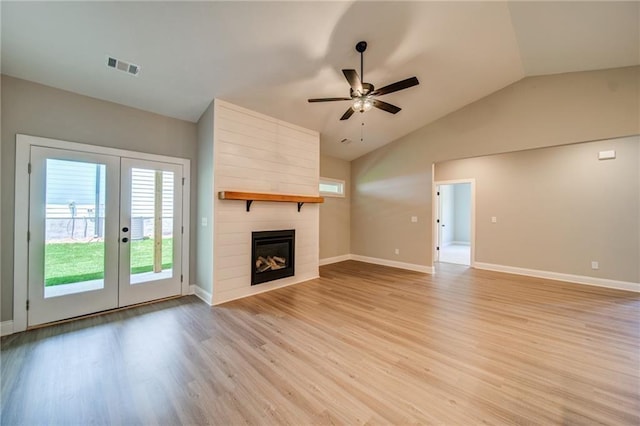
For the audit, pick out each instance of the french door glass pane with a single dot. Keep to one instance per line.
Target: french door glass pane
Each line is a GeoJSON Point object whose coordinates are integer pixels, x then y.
{"type": "Point", "coordinates": [151, 225]}
{"type": "Point", "coordinates": [74, 229]}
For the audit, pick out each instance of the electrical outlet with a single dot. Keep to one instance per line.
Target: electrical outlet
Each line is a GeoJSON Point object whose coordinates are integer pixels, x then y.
{"type": "Point", "coordinates": [397, 251]}
{"type": "Point", "coordinates": [595, 264]}
{"type": "Point", "coordinates": [494, 219]}
{"type": "Point", "coordinates": [414, 219]}
{"type": "Point", "coordinates": [204, 221]}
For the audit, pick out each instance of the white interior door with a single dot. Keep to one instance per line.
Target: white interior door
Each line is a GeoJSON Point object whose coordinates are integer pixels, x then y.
{"type": "Point", "coordinates": [455, 222]}
{"type": "Point", "coordinates": [150, 230]}
{"type": "Point", "coordinates": [73, 208]}
{"type": "Point", "coordinates": [104, 232]}
{"type": "Point", "coordinates": [438, 224]}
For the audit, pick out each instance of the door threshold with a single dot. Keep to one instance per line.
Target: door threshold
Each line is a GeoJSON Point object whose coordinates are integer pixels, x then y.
{"type": "Point", "coordinates": [108, 311]}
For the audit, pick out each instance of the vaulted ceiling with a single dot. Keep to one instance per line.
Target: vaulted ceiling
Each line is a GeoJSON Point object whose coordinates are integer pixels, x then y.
{"type": "Point", "coordinates": [271, 56]}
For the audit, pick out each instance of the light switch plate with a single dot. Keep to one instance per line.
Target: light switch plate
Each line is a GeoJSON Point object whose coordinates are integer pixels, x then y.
{"type": "Point", "coordinates": [414, 219]}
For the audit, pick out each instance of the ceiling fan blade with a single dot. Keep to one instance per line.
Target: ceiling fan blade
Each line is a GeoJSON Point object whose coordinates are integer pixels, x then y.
{"type": "Point", "coordinates": [398, 85]}
{"type": "Point", "coordinates": [386, 107]}
{"type": "Point", "coordinates": [329, 99]}
{"type": "Point", "coordinates": [354, 80]}
{"type": "Point", "coordinates": [348, 113]}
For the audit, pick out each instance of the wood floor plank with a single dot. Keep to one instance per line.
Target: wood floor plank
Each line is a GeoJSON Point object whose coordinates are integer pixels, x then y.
{"type": "Point", "coordinates": [363, 344]}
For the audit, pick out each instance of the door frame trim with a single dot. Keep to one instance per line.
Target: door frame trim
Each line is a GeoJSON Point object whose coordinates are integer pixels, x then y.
{"type": "Point", "coordinates": [435, 213]}
{"type": "Point", "coordinates": [21, 222]}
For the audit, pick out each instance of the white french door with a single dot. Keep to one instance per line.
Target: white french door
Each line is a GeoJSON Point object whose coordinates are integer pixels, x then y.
{"type": "Point", "coordinates": [105, 231]}
{"type": "Point", "coordinates": [150, 230]}
{"type": "Point", "coordinates": [72, 271]}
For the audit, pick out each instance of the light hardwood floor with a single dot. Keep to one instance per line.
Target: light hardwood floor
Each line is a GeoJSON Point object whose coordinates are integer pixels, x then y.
{"type": "Point", "coordinates": [362, 344]}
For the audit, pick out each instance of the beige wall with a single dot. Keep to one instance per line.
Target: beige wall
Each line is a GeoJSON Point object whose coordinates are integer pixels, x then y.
{"type": "Point", "coordinates": [557, 208]}
{"type": "Point", "coordinates": [394, 182]}
{"type": "Point", "coordinates": [38, 110]}
{"type": "Point", "coordinates": [335, 212]}
{"type": "Point", "coordinates": [2, 314]}
{"type": "Point", "coordinates": [204, 220]}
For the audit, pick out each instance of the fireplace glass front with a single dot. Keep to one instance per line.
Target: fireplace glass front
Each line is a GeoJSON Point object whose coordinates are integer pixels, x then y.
{"type": "Point", "coordinates": [272, 255]}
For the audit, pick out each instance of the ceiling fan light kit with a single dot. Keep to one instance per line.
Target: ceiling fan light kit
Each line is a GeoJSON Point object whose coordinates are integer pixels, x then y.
{"type": "Point", "coordinates": [363, 95]}
{"type": "Point", "coordinates": [362, 104]}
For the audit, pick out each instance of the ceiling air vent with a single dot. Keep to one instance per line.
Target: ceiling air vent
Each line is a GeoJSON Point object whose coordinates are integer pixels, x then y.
{"type": "Point", "coordinates": [127, 67]}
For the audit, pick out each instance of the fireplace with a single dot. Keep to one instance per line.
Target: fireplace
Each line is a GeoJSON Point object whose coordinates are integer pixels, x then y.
{"type": "Point", "coordinates": [272, 255]}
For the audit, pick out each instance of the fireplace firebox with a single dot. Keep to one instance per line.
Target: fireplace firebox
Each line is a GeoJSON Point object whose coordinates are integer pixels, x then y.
{"type": "Point", "coordinates": [272, 255]}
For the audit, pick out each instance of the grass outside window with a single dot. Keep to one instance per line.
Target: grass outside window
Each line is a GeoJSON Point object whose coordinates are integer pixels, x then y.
{"type": "Point", "coordinates": [67, 263]}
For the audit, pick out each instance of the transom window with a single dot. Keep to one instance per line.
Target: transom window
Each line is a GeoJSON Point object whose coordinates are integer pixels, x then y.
{"type": "Point", "coordinates": [331, 187]}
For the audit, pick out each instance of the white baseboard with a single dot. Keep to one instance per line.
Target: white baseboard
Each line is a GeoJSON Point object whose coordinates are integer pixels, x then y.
{"type": "Point", "coordinates": [378, 261]}
{"type": "Point", "coordinates": [577, 279]}
{"type": "Point", "coordinates": [241, 293]}
{"type": "Point", "coordinates": [394, 264]}
{"type": "Point", "coordinates": [336, 259]}
{"type": "Point", "coordinates": [201, 294]}
{"type": "Point", "coordinates": [6, 328]}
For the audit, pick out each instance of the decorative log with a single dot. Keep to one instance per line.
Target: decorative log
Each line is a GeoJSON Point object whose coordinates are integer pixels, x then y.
{"type": "Point", "coordinates": [270, 263]}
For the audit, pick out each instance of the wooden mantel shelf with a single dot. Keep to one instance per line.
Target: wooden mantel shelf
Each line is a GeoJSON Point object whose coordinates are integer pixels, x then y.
{"type": "Point", "coordinates": [250, 197]}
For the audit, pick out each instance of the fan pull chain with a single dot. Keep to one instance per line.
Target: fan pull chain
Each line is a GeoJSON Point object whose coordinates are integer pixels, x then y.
{"type": "Point", "coordinates": [362, 132]}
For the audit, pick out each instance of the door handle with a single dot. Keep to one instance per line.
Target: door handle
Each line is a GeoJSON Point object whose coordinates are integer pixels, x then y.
{"type": "Point", "coordinates": [125, 239]}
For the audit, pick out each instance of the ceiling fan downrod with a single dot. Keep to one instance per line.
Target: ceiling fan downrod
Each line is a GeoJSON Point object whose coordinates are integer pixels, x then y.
{"type": "Point", "coordinates": [361, 47]}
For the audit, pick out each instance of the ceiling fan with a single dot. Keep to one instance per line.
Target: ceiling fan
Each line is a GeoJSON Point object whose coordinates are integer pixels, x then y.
{"type": "Point", "coordinates": [363, 95]}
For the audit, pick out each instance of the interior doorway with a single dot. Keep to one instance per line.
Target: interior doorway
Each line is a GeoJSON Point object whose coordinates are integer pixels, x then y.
{"type": "Point", "coordinates": [454, 222]}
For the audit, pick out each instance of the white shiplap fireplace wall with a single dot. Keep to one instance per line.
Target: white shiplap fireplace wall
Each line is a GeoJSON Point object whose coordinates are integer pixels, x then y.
{"type": "Point", "coordinates": [257, 153]}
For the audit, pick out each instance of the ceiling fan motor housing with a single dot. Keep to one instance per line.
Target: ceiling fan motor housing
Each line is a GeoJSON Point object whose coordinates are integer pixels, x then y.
{"type": "Point", "coordinates": [366, 89]}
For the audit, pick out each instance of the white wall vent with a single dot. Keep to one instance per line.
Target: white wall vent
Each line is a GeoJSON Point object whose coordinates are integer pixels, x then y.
{"type": "Point", "coordinates": [607, 155]}
{"type": "Point", "coordinates": [127, 67]}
